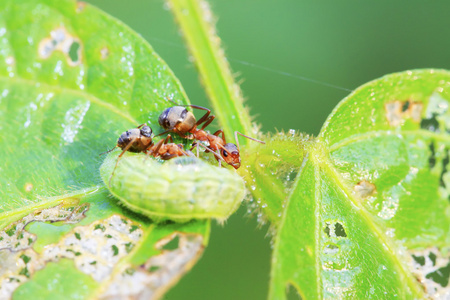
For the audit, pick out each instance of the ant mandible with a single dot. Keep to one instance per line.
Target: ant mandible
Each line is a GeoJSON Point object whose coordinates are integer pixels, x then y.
{"type": "Point", "coordinates": [181, 121]}
{"type": "Point", "coordinates": [140, 139]}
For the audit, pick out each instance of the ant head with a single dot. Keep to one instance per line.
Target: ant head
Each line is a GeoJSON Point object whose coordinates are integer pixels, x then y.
{"type": "Point", "coordinates": [230, 153]}
{"type": "Point", "coordinates": [146, 131]}
{"type": "Point", "coordinates": [177, 118]}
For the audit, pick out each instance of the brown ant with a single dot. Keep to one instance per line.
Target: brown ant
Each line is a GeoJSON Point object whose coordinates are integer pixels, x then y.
{"type": "Point", "coordinates": [165, 150]}
{"type": "Point", "coordinates": [139, 139]}
{"type": "Point", "coordinates": [181, 121]}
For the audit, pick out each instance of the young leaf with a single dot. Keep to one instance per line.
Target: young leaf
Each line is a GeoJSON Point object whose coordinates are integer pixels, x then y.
{"type": "Point", "coordinates": [367, 215]}
{"type": "Point", "coordinates": [71, 80]}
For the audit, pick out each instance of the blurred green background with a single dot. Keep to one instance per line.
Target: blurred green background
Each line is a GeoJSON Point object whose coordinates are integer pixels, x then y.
{"type": "Point", "coordinates": [288, 54]}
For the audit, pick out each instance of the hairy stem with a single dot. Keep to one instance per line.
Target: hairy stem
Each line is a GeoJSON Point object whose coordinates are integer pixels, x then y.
{"type": "Point", "coordinates": [197, 24]}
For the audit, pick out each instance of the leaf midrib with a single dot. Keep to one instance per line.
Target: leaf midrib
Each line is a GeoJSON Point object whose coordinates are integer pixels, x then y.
{"type": "Point", "coordinates": [319, 158]}
{"type": "Point", "coordinates": [53, 201]}
{"type": "Point", "coordinates": [379, 133]}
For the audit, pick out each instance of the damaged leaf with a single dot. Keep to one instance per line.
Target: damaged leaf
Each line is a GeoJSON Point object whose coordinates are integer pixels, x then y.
{"type": "Point", "coordinates": [362, 211]}
{"type": "Point", "coordinates": [66, 94]}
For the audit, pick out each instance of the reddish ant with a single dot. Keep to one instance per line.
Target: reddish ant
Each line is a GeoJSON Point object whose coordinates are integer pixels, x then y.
{"type": "Point", "coordinates": [181, 121]}
{"type": "Point", "coordinates": [140, 140]}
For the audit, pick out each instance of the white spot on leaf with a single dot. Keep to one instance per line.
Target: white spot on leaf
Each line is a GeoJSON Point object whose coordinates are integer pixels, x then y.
{"type": "Point", "coordinates": [73, 120]}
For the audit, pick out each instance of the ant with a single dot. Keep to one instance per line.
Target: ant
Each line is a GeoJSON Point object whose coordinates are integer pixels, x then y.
{"type": "Point", "coordinates": [181, 121]}
{"type": "Point", "coordinates": [140, 139]}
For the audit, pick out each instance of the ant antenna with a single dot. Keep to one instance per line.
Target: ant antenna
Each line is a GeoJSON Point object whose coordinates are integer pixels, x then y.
{"type": "Point", "coordinates": [250, 138]}
{"type": "Point", "coordinates": [168, 99]}
{"type": "Point", "coordinates": [108, 151]}
{"type": "Point", "coordinates": [164, 132]}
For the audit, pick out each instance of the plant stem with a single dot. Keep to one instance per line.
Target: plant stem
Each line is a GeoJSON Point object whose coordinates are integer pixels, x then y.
{"type": "Point", "coordinates": [197, 24]}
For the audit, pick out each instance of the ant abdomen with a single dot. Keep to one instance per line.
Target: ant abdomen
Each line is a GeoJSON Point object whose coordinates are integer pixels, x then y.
{"type": "Point", "coordinates": [137, 139]}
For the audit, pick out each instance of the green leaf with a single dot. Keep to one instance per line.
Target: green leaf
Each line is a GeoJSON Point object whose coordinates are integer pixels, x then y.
{"type": "Point", "coordinates": [368, 213]}
{"type": "Point", "coordinates": [71, 80]}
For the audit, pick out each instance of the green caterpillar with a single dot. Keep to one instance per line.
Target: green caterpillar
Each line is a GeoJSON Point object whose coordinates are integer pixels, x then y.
{"type": "Point", "coordinates": [180, 189]}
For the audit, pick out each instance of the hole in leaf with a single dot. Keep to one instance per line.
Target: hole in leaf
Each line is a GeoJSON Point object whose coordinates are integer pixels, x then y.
{"type": "Point", "coordinates": [445, 162]}
{"type": "Point", "coordinates": [430, 124]}
{"type": "Point", "coordinates": [61, 40]}
{"type": "Point", "coordinates": [339, 230]}
{"type": "Point", "coordinates": [130, 271]}
{"type": "Point", "coordinates": [432, 158]}
{"type": "Point", "coordinates": [25, 258]}
{"type": "Point", "coordinates": [74, 51]}
{"type": "Point", "coordinates": [432, 257]}
{"type": "Point", "coordinates": [172, 245]}
{"type": "Point", "coordinates": [115, 250]}
{"type": "Point", "coordinates": [440, 276]}
{"type": "Point", "coordinates": [398, 111]}
{"type": "Point", "coordinates": [153, 268]}
{"type": "Point", "coordinates": [327, 230]}
{"type": "Point", "coordinates": [24, 272]}
{"type": "Point", "coordinates": [331, 248]}
{"type": "Point", "coordinates": [405, 106]}
{"type": "Point", "coordinates": [334, 230]}
{"type": "Point", "coordinates": [292, 293]}
{"type": "Point", "coordinates": [419, 259]}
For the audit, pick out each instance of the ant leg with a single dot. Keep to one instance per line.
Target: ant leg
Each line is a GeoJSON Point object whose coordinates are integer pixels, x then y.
{"type": "Point", "coordinates": [168, 139]}
{"type": "Point", "coordinates": [217, 155]}
{"type": "Point", "coordinates": [120, 156]}
{"type": "Point", "coordinates": [158, 146]}
{"type": "Point", "coordinates": [207, 122]}
{"type": "Point", "coordinates": [205, 116]}
{"type": "Point", "coordinates": [141, 125]}
{"type": "Point", "coordinates": [184, 152]}
{"type": "Point", "coordinates": [195, 145]}
{"type": "Point", "coordinates": [108, 151]}
{"type": "Point", "coordinates": [202, 119]}
{"type": "Point", "coordinates": [168, 156]}
{"type": "Point", "coordinates": [171, 130]}
{"type": "Point", "coordinates": [250, 138]}
{"type": "Point", "coordinates": [220, 132]}
{"type": "Point", "coordinates": [154, 151]}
